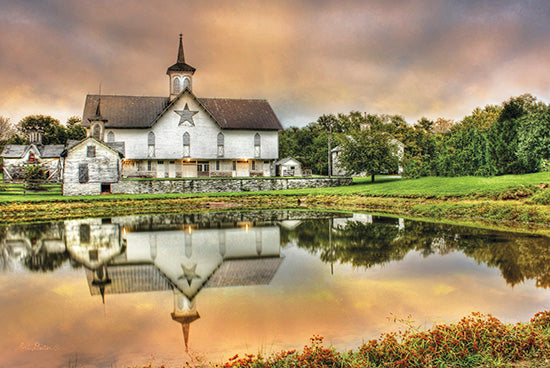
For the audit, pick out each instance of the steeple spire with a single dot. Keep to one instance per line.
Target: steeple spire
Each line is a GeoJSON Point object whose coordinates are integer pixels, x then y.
{"type": "Point", "coordinates": [181, 65]}
{"type": "Point", "coordinates": [98, 109]}
{"type": "Point", "coordinates": [181, 57]}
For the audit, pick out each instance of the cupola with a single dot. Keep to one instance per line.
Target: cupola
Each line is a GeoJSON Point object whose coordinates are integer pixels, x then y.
{"type": "Point", "coordinates": [180, 74]}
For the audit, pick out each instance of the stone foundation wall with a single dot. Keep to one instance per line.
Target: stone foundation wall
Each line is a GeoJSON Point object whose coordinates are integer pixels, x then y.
{"type": "Point", "coordinates": [73, 189]}
{"type": "Point", "coordinates": [223, 185]}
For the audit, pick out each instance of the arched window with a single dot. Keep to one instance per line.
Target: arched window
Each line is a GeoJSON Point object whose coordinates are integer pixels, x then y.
{"type": "Point", "coordinates": [110, 137]}
{"type": "Point", "coordinates": [220, 144]}
{"type": "Point", "coordinates": [186, 144]}
{"type": "Point", "coordinates": [96, 132]}
{"type": "Point", "coordinates": [186, 83]}
{"type": "Point", "coordinates": [177, 85]}
{"type": "Point", "coordinates": [151, 144]}
{"type": "Point", "coordinates": [257, 145]}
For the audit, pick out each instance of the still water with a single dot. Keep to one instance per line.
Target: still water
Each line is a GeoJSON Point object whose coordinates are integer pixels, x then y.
{"type": "Point", "coordinates": [166, 289]}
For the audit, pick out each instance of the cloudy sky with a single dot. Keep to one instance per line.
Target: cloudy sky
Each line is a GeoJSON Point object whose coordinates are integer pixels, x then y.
{"type": "Point", "coordinates": [433, 58]}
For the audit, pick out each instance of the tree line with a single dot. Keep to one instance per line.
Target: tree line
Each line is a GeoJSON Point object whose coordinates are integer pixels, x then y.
{"type": "Point", "coordinates": [510, 138]}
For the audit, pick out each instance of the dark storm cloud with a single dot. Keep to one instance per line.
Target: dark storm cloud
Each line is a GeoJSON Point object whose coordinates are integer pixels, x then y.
{"type": "Point", "coordinates": [433, 58]}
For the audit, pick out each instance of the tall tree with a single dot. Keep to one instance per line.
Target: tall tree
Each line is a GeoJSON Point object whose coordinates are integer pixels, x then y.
{"type": "Point", "coordinates": [6, 128]}
{"type": "Point", "coordinates": [502, 137]}
{"type": "Point", "coordinates": [75, 130]}
{"type": "Point", "coordinates": [368, 151]}
{"type": "Point", "coordinates": [53, 131]}
{"type": "Point", "coordinates": [534, 139]}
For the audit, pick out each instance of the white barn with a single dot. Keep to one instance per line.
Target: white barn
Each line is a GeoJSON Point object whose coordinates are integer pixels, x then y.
{"type": "Point", "coordinates": [186, 136]}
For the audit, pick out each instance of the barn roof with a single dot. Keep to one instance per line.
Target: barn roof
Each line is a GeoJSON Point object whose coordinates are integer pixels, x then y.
{"type": "Point", "coordinates": [44, 151]}
{"type": "Point", "coordinates": [242, 114]}
{"type": "Point", "coordinates": [125, 111]}
{"type": "Point", "coordinates": [286, 160]}
{"type": "Point", "coordinates": [51, 150]}
{"type": "Point", "coordinates": [14, 150]}
{"type": "Point", "coordinates": [140, 112]}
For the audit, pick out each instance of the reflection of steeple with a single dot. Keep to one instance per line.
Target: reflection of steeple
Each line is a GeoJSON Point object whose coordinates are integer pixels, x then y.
{"type": "Point", "coordinates": [185, 312]}
{"type": "Point", "coordinates": [101, 279]}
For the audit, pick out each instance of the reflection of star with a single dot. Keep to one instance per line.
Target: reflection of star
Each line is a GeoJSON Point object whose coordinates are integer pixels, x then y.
{"type": "Point", "coordinates": [186, 115]}
{"type": "Point", "coordinates": [189, 273]}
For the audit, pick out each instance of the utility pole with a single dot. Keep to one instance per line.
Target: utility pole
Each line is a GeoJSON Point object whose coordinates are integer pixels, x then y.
{"type": "Point", "coordinates": [330, 148]}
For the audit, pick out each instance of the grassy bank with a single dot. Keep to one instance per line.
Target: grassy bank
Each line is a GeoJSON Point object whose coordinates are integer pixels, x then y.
{"type": "Point", "coordinates": [475, 341]}
{"type": "Point", "coordinates": [512, 201]}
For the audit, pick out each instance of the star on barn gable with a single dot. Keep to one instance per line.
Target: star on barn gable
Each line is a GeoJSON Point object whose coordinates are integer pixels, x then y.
{"type": "Point", "coordinates": [189, 274]}
{"type": "Point", "coordinates": [186, 115]}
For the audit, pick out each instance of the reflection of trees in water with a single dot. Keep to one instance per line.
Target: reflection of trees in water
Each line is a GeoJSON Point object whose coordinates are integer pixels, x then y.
{"type": "Point", "coordinates": [519, 257]}
{"type": "Point", "coordinates": [44, 261]}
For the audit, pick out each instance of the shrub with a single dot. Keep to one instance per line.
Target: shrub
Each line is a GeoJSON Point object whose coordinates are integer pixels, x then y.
{"type": "Point", "coordinates": [34, 176]}
{"type": "Point", "coordinates": [476, 340]}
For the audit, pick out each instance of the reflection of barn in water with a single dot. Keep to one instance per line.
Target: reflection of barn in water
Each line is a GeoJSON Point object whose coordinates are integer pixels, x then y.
{"type": "Point", "coordinates": [185, 259]}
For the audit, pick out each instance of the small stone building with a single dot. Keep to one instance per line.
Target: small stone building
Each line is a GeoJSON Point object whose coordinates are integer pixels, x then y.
{"type": "Point", "coordinates": [289, 167]}
{"type": "Point", "coordinates": [90, 167]}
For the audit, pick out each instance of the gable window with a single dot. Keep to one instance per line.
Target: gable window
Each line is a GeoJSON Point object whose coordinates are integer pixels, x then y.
{"type": "Point", "coordinates": [96, 132]}
{"type": "Point", "coordinates": [186, 144]}
{"type": "Point", "coordinates": [151, 144]}
{"type": "Point", "coordinates": [177, 85]}
{"type": "Point", "coordinates": [220, 144]}
{"type": "Point", "coordinates": [83, 173]}
{"type": "Point", "coordinates": [257, 145]}
{"type": "Point", "coordinates": [90, 151]}
{"type": "Point", "coordinates": [110, 137]}
{"type": "Point", "coordinates": [31, 157]}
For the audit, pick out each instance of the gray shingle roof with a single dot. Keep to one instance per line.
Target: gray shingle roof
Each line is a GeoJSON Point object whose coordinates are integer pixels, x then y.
{"type": "Point", "coordinates": [51, 150]}
{"type": "Point", "coordinates": [14, 151]}
{"type": "Point", "coordinates": [127, 112]}
{"type": "Point", "coordinates": [285, 160]}
{"type": "Point", "coordinates": [119, 146]}
{"type": "Point", "coordinates": [242, 114]}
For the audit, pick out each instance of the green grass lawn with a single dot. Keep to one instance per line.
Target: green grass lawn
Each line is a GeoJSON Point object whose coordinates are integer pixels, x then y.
{"type": "Point", "coordinates": [384, 186]}
{"type": "Point", "coordinates": [433, 186]}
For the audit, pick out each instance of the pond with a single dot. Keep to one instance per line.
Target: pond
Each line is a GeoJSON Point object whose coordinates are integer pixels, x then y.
{"type": "Point", "coordinates": [166, 289]}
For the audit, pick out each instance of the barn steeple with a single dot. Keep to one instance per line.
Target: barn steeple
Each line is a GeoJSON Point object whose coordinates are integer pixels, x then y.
{"type": "Point", "coordinates": [180, 73]}
{"type": "Point", "coordinates": [181, 56]}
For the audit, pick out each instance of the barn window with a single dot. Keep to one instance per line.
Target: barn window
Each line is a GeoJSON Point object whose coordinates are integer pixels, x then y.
{"type": "Point", "coordinates": [186, 83]}
{"type": "Point", "coordinates": [234, 166]}
{"type": "Point", "coordinates": [96, 132]}
{"type": "Point", "coordinates": [253, 165]}
{"type": "Point", "coordinates": [149, 165]}
{"type": "Point", "coordinates": [90, 151]}
{"type": "Point", "coordinates": [217, 165]}
{"type": "Point", "coordinates": [83, 173]}
{"type": "Point", "coordinates": [220, 144]}
{"type": "Point", "coordinates": [31, 157]}
{"type": "Point", "coordinates": [151, 144]}
{"type": "Point", "coordinates": [110, 137]}
{"type": "Point", "coordinates": [177, 85]}
{"type": "Point", "coordinates": [186, 144]}
{"type": "Point", "coordinates": [257, 145]}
